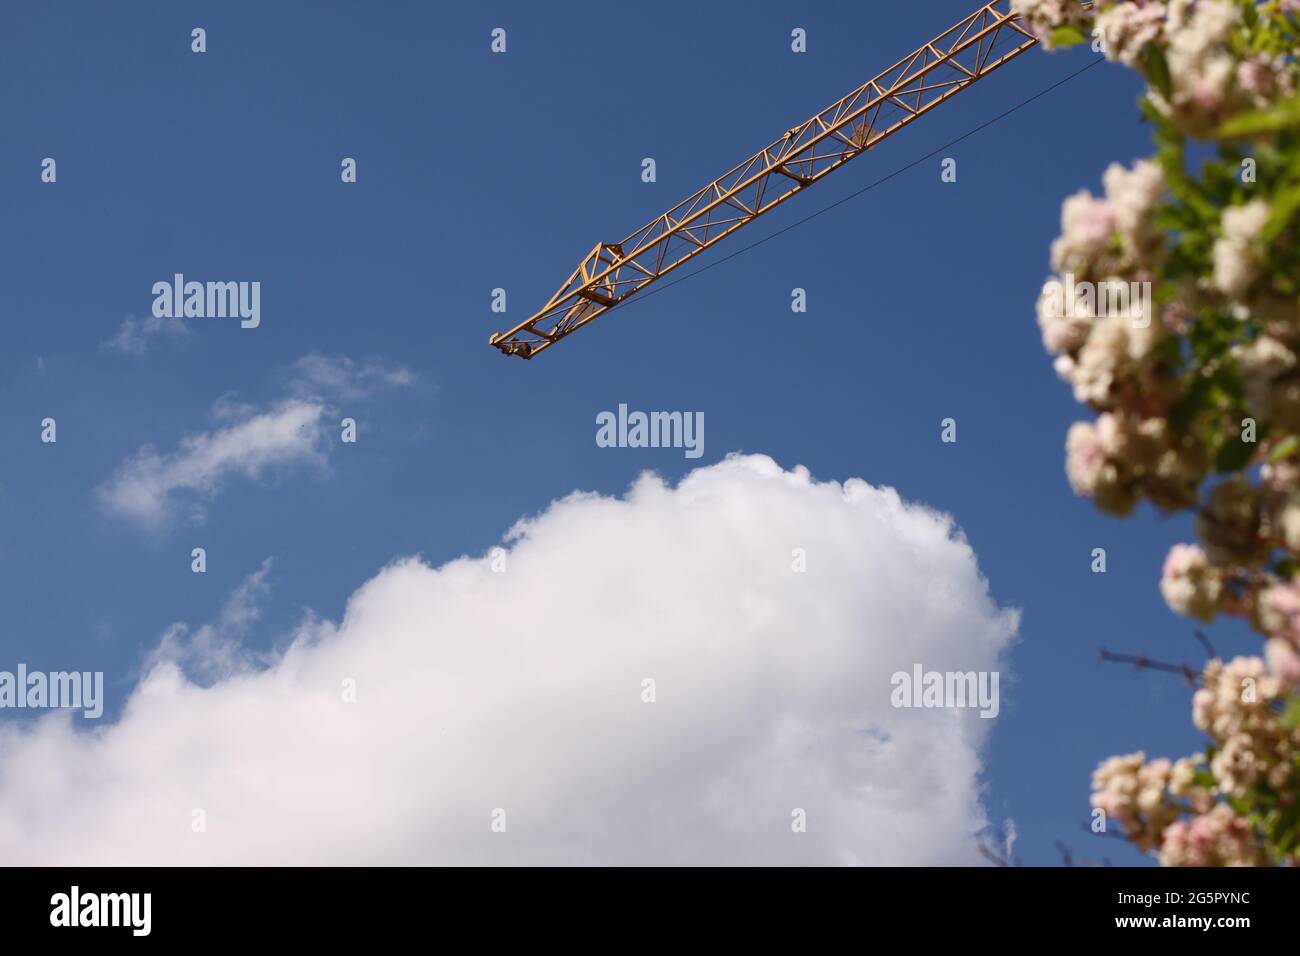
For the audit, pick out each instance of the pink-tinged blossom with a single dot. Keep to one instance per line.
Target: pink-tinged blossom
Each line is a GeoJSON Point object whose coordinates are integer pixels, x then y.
{"type": "Point", "coordinates": [1279, 612]}
{"type": "Point", "coordinates": [1190, 584]}
{"type": "Point", "coordinates": [1283, 661]}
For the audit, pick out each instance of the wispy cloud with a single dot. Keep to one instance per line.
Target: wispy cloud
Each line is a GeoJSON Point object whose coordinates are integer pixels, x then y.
{"type": "Point", "coordinates": [288, 434]}
{"type": "Point", "coordinates": [339, 377]}
{"type": "Point", "coordinates": [251, 441]}
{"type": "Point", "coordinates": [133, 335]}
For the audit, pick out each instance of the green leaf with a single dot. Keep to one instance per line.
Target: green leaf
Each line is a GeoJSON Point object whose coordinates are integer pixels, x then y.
{"type": "Point", "coordinates": [1284, 449]}
{"type": "Point", "coordinates": [1165, 292]}
{"type": "Point", "coordinates": [1284, 829]}
{"type": "Point", "coordinates": [1291, 716]}
{"type": "Point", "coordinates": [1281, 116]}
{"type": "Point", "coordinates": [1234, 455]}
{"type": "Point", "coordinates": [1065, 37]}
{"type": "Point", "coordinates": [1285, 206]}
{"type": "Point", "coordinates": [1156, 118]}
{"type": "Point", "coordinates": [1156, 68]}
{"type": "Point", "coordinates": [1195, 400]}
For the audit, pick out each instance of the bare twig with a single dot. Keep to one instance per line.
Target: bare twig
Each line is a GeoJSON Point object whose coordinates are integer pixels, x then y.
{"type": "Point", "coordinates": [1142, 662]}
{"type": "Point", "coordinates": [996, 856]}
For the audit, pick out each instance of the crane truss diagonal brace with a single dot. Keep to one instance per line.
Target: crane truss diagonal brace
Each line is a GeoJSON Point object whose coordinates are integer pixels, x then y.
{"type": "Point", "coordinates": [613, 271]}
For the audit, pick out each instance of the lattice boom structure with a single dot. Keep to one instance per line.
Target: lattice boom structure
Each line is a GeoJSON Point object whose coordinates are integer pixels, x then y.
{"type": "Point", "coordinates": [614, 271]}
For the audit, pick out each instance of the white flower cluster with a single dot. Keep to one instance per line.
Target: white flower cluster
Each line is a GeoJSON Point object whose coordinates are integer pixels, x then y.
{"type": "Point", "coordinates": [1205, 378]}
{"type": "Point", "coordinates": [1240, 526]}
{"type": "Point", "coordinates": [1176, 809]}
{"type": "Point", "coordinates": [1233, 525]}
{"type": "Point", "coordinates": [1278, 614]}
{"type": "Point", "coordinates": [1111, 236]}
{"type": "Point", "coordinates": [1191, 585]}
{"type": "Point", "coordinates": [1237, 707]}
{"type": "Point", "coordinates": [1208, 80]}
{"type": "Point", "coordinates": [1271, 382]}
{"type": "Point", "coordinates": [1116, 361]}
{"type": "Point", "coordinates": [1105, 345]}
{"type": "Point", "coordinates": [1044, 16]}
{"type": "Point", "coordinates": [1127, 28]}
{"type": "Point", "coordinates": [1238, 252]}
{"type": "Point", "coordinates": [1122, 458]}
{"type": "Point", "coordinates": [1143, 797]}
{"type": "Point", "coordinates": [1216, 838]}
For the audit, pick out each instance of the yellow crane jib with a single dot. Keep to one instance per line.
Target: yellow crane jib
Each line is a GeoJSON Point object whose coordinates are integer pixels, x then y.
{"type": "Point", "coordinates": [614, 271]}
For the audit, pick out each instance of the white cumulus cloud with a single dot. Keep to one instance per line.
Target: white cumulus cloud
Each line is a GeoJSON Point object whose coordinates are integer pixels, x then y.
{"type": "Point", "coordinates": [522, 690]}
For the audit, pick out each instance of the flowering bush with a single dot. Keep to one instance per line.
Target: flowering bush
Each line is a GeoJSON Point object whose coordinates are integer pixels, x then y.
{"type": "Point", "coordinates": [1197, 394]}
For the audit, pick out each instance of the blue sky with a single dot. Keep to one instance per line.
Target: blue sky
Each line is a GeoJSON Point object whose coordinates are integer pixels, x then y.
{"type": "Point", "coordinates": [479, 171]}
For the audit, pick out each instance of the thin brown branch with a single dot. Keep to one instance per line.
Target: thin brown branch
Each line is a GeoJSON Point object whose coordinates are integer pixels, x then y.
{"type": "Point", "coordinates": [1142, 662]}
{"type": "Point", "coordinates": [995, 856]}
